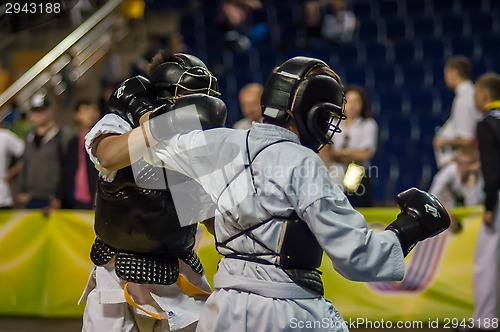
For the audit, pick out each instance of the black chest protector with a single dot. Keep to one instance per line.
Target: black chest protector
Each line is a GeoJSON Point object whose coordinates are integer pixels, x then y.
{"type": "Point", "coordinates": [299, 253]}
{"type": "Point", "coordinates": [140, 227]}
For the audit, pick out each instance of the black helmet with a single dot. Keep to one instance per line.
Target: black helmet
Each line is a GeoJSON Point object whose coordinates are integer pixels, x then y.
{"type": "Point", "coordinates": [183, 74]}
{"type": "Point", "coordinates": [315, 101]}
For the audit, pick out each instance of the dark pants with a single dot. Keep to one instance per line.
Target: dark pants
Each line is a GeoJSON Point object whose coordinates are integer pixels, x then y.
{"type": "Point", "coordinates": [363, 196]}
{"type": "Point", "coordinates": [38, 203]}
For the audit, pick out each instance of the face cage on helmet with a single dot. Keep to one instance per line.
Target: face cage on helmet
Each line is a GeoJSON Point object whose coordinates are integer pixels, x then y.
{"type": "Point", "coordinates": [333, 125]}
{"type": "Point", "coordinates": [207, 90]}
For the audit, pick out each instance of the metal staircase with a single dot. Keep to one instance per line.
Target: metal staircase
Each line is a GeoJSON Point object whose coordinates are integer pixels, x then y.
{"type": "Point", "coordinates": [78, 52]}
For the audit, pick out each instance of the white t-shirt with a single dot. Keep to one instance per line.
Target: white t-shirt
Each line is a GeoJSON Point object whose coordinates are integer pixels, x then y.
{"type": "Point", "coordinates": [361, 134]}
{"type": "Point", "coordinates": [462, 121]}
{"type": "Point", "coordinates": [10, 146]}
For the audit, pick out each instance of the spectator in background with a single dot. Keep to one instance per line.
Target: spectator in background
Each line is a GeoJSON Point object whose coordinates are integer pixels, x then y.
{"type": "Point", "coordinates": [486, 260]}
{"type": "Point", "coordinates": [40, 177]}
{"type": "Point", "coordinates": [356, 143]}
{"type": "Point", "coordinates": [79, 174]}
{"type": "Point", "coordinates": [11, 147]}
{"type": "Point", "coordinates": [107, 89]}
{"type": "Point", "coordinates": [176, 43]}
{"type": "Point", "coordinates": [139, 64]}
{"type": "Point", "coordinates": [339, 23]}
{"type": "Point", "coordinates": [459, 183]}
{"type": "Point", "coordinates": [250, 105]}
{"type": "Point", "coordinates": [459, 129]}
{"type": "Point", "coordinates": [231, 21]}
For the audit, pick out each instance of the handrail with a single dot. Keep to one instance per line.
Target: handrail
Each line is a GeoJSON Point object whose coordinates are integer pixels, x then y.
{"type": "Point", "coordinates": [57, 51]}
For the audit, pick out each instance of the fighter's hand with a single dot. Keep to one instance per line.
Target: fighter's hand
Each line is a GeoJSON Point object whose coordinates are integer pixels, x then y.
{"type": "Point", "coordinates": [23, 198]}
{"type": "Point", "coordinates": [132, 99]}
{"type": "Point", "coordinates": [422, 216]}
{"type": "Point", "coordinates": [488, 218]}
{"type": "Point", "coordinates": [438, 143]}
{"type": "Point", "coordinates": [191, 112]}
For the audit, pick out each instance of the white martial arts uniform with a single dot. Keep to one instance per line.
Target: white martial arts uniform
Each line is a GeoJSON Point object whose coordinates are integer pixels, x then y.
{"type": "Point", "coordinates": [107, 309]}
{"type": "Point", "coordinates": [461, 123]}
{"type": "Point", "coordinates": [448, 186]}
{"type": "Point", "coordinates": [287, 178]}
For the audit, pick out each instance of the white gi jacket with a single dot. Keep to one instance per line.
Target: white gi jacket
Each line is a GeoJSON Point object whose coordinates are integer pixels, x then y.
{"type": "Point", "coordinates": [287, 177]}
{"type": "Point", "coordinates": [105, 288]}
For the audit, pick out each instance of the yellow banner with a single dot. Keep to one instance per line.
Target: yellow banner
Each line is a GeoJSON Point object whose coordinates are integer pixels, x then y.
{"type": "Point", "coordinates": [44, 266]}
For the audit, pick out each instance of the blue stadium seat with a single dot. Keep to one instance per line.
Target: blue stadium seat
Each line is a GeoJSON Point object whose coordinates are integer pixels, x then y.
{"type": "Point", "coordinates": [227, 84]}
{"type": "Point", "coordinates": [194, 21]}
{"type": "Point", "coordinates": [424, 103]}
{"type": "Point", "coordinates": [396, 29]}
{"type": "Point", "coordinates": [446, 96]}
{"type": "Point", "coordinates": [411, 171]}
{"type": "Point", "coordinates": [429, 126]}
{"type": "Point", "coordinates": [383, 175]}
{"type": "Point", "coordinates": [349, 53]}
{"type": "Point", "coordinates": [268, 59]}
{"type": "Point", "coordinates": [416, 7]}
{"type": "Point", "coordinates": [358, 75]}
{"type": "Point", "coordinates": [454, 25]}
{"type": "Point", "coordinates": [438, 74]}
{"type": "Point", "coordinates": [365, 8]}
{"type": "Point", "coordinates": [435, 49]}
{"type": "Point", "coordinates": [480, 22]}
{"type": "Point", "coordinates": [494, 6]}
{"type": "Point", "coordinates": [246, 59]}
{"type": "Point", "coordinates": [389, 8]}
{"type": "Point", "coordinates": [469, 47]}
{"type": "Point", "coordinates": [490, 44]}
{"type": "Point", "coordinates": [393, 102]}
{"type": "Point", "coordinates": [377, 53]}
{"type": "Point", "coordinates": [290, 34]}
{"type": "Point", "coordinates": [244, 77]}
{"type": "Point", "coordinates": [286, 13]}
{"type": "Point", "coordinates": [217, 58]}
{"type": "Point", "coordinates": [472, 5]}
{"type": "Point", "coordinates": [371, 30]}
{"type": "Point", "coordinates": [481, 66]}
{"type": "Point", "coordinates": [425, 27]}
{"type": "Point", "coordinates": [260, 16]}
{"type": "Point", "coordinates": [417, 76]}
{"type": "Point", "coordinates": [387, 76]}
{"type": "Point", "coordinates": [407, 51]}
{"type": "Point", "coordinates": [444, 6]}
{"type": "Point", "coordinates": [401, 135]}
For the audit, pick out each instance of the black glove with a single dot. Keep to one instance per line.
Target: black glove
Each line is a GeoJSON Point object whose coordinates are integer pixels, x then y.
{"type": "Point", "coordinates": [132, 99]}
{"type": "Point", "coordinates": [209, 112]}
{"type": "Point", "coordinates": [422, 216]}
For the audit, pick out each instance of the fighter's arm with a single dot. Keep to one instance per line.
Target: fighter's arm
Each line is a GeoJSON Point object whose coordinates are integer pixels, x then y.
{"type": "Point", "coordinates": [357, 252]}
{"type": "Point", "coordinates": [347, 155]}
{"type": "Point", "coordinates": [116, 151]}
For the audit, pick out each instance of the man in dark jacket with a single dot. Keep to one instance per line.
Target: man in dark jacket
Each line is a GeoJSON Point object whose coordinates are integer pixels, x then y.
{"type": "Point", "coordinates": [487, 100]}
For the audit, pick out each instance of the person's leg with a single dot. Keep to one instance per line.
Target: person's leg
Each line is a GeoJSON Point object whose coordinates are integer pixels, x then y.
{"type": "Point", "coordinates": [114, 317]}
{"type": "Point", "coordinates": [486, 263]}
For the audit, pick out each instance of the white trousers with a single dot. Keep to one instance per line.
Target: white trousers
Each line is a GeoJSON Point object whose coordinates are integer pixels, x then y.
{"type": "Point", "coordinates": [486, 274]}
{"type": "Point", "coordinates": [120, 317]}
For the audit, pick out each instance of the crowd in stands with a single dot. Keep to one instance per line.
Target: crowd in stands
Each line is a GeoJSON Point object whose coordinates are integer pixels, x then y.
{"type": "Point", "coordinates": [242, 41]}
